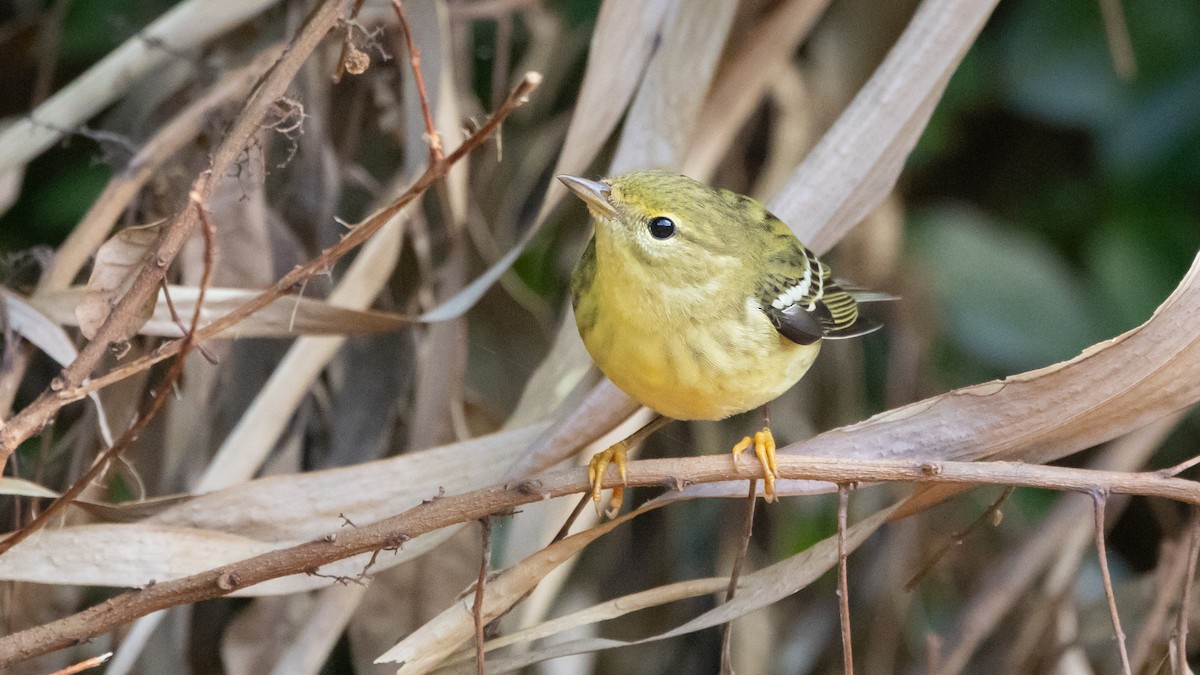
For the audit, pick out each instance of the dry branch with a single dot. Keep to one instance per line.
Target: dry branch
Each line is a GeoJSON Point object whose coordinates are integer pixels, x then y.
{"type": "Point", "coordinates": [307, 558]}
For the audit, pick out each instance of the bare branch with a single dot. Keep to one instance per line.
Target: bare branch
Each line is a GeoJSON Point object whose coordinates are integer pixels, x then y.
{"type": "Point", "coordinates": [1101, 498]}
{"type": "Point", "coordinates": [843, 582]}
{"type": "Point", "coordinates": [1185, 604]}
{"type": "Point", "coordinates": [453, 509]}
{"type": "Point", "coordinates": [743, 547]}
{"type": "Point", "coordinates": [485, 561]}
{"type": "Point", "coordinates": [414, 59]}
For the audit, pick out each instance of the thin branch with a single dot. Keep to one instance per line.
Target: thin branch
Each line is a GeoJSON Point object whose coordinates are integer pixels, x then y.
{"type": "Point", "coordinates": [843, 583]}
{"type": "Point", "coordinates": [1185, 604]}
{"type": "Point", "coordinates": [455, 509]}
{"type": "Point", "coordinates": [485, 562]}
{"type": "Point", "coordinates": [347, 43]}
{"type": "Point", "coordinates": [158, 397]}
{"type": "Point", "coordinates": [1100, 498]}
{"type": "Point", "coordinates": [990, 514]}
{"type": "Point", "coordinates": [735, 573]}
{"type": "Point", "coordinates": [574, 515]}
{"type": "Point", "coordinates": [414, 59]}
{"type": "Point", "coordinates": [1179, 468]}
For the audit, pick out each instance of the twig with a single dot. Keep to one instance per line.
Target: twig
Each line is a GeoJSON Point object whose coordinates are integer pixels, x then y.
{"type": "Point", "coordinates": [86, 664]}
{"type": "Point", "coordinates": [158, 397]}
{"type": "Point", "coordinates": [1185, 604]}
{"type": "Point", "coordinates": [743, 547]}
{"type": "Point", "coordinates": [38, 414]}
{"type": "Point", "coordinates": [485, 562]}
{"type": "Point", "coordinates": [49, 41]}
{"type": "Point", "coordinates": [414, 59]}
{"type": "Point", "coordinates": [566, 527]}
{"type": "Point", "coordinates": [1169, 577]}
{"type": "Point", "coordinates": [990, 514]}
{"type": "Point", "coordinates": [843, 584]}
{"type": "Point", "coordinates": [1179, 468]}
{"type": "Point", "coordinates": [453, 509]}
{"type": "Point", "coordinates": [1100, 498]}
{"type": "Point", "coordinates": [347, 43]}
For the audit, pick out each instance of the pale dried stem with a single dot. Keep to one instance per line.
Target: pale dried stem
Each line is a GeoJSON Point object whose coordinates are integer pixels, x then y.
{"type": "Point", "coordinates": [1181, 467]}
{"type": "Point", "coordinates": [1185, 604]}
{"type": "Point", "coordinates": [735, 574]}
{"type": "Point", "coordinates": [843, 581]}
{"type": "Point", "coordinates": [485, 561]}
{"type": "Point", "coordinates": [1100, 498]}
{"type": "Point", "coordinates": [455, 509]}
{"type": "Point", "coordinates": [1169, 574]}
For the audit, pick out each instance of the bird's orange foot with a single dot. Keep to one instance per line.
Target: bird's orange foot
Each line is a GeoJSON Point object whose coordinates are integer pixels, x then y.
{"type": "Point", "coordinates": [764, 448]}
{"type": "Point", "coordinates": [615, 454]}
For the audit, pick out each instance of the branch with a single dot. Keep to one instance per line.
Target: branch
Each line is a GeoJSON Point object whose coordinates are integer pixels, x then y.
{"type": "Point", "coordinates": [414, 59]}
{"type": "Point", "coordinates": [451, 510]}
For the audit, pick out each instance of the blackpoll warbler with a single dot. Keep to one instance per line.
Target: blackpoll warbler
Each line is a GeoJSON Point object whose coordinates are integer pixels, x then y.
{"type": "Point", "coordinates": [700, 304]}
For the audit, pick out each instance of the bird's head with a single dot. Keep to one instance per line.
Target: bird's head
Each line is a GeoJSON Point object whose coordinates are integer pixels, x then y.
{"type": "Point", "coordinates": [668, 221]}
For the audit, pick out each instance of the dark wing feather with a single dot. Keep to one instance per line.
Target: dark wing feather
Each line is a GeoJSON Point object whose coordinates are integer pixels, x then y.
{"type": "Point", "coordinates": [803, 300]}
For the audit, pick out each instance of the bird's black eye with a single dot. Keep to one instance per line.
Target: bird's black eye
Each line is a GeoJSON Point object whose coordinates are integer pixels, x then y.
{"type": "Point", "coordinates": [661, 228]}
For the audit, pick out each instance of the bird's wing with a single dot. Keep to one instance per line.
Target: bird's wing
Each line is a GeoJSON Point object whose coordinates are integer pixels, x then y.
{"type": "Point", "coordinates": [803, 300]}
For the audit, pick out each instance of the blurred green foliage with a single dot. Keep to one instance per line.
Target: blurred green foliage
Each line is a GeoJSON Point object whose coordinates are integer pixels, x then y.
{"type": "Point", "coordinates": [1052, 204]}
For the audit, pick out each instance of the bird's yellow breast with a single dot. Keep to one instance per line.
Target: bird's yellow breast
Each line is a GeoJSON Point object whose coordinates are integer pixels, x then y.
{"type": "Point", "coordinates": [676, 353]}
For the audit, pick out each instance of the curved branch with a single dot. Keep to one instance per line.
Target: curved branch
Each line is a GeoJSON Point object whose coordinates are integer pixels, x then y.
{"type": "Point", "coordinates": [442, 512]}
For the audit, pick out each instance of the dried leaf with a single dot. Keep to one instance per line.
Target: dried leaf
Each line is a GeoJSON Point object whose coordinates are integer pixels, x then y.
{"type": "Point", "coordinates": [659, 124]}
{"type": "Point", "coordinates": [266, 514]}
{"type": "Point", "coordinates": [285, 317]}
{"type": "Point", "coordinates": [24, 488]}
{"type": "Point", "coordinates": [755, 591]}
{"type": "Point", "coordinates": [612, 609]}
{"type": "Point", "coordinates": [743, 79]}
{"type": "Point", "coordinates": [855, 165]}
{"type": "Point", "coordinates": [117, 264]}
{"type": "Point", "coordinates": [425, 648]}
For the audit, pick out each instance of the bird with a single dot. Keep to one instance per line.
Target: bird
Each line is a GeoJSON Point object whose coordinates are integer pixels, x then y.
{"type": "Point", "coordinates": [700, 304]}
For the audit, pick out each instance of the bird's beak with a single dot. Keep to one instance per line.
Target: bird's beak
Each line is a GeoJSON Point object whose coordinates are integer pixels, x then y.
{"type": "Point", "coordinates": [593, 193]}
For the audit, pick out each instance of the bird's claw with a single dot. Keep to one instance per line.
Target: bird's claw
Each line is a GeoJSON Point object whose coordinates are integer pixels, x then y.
{"type": "Point", "coordinates": [615, 454]}
{"type": "Point", "coordinates": [763, 443]}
